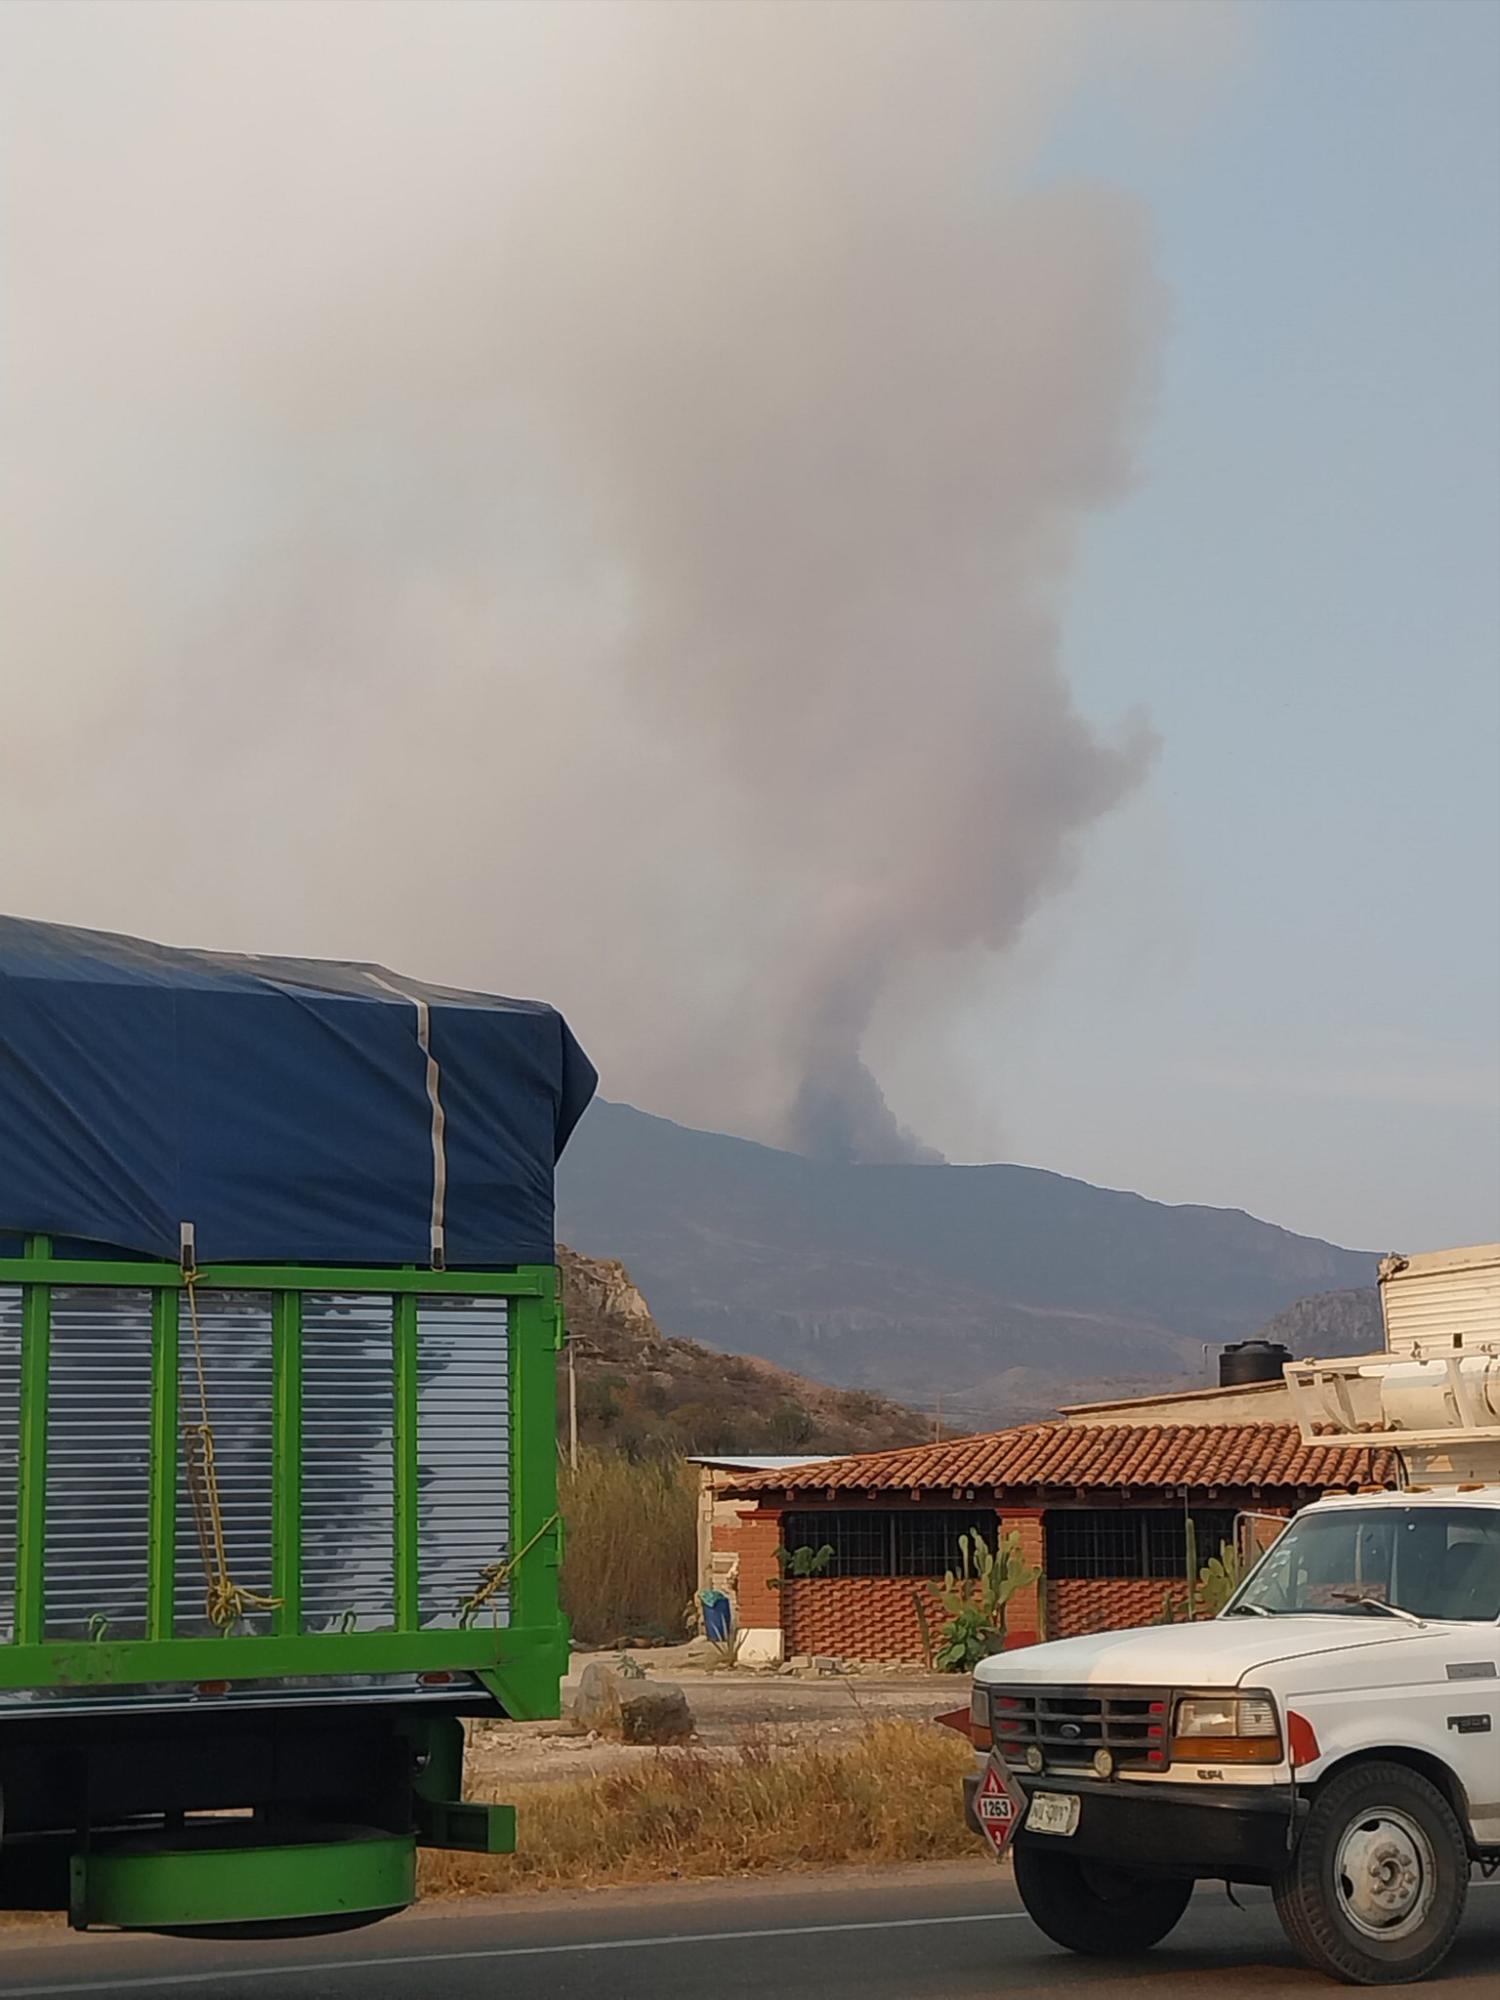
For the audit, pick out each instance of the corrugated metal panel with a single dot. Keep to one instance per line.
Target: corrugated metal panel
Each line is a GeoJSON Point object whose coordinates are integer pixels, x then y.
{"type": "Point", "coordinates": [348, 1463]}
{"type": "Point", "coordinates": [98, 1463]}
{"type": "Point", "coordinates": [463, 1444]}
{"type": "Point", "coordinates": [236, 1332]}
{"type": "Point", "coordinates": [10, 1436]}
{"type": "Point", "coordinates": [1442, 1300]}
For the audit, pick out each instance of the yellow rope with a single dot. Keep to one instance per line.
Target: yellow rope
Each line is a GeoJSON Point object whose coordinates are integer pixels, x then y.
{"type": "Point", "coordinates": [225, 1601]}
{"type": "Point", "coordinates": [496, 1575]}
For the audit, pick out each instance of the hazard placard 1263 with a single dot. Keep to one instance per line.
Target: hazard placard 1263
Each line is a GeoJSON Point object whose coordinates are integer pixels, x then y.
{"type": "Point", "coordinates": [998, 1805]}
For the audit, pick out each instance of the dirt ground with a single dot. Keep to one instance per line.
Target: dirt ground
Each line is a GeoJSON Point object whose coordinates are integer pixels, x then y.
{"type": "Point", "coordinates": [729, 1705]}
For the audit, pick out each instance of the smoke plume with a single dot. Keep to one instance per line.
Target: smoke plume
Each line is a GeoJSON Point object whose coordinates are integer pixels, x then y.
{"type": "Point", "coordinates": [571, 499]}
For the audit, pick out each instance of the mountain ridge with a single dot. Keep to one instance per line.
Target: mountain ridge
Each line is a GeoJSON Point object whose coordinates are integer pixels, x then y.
{"type": "Point", "coordinates": [1009, 1287]}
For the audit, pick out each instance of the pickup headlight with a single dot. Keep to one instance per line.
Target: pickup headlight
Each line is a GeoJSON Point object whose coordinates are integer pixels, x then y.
{"type": "Point", "coordinates": [1227, 1729]}
{"type": "Point", "coordinates": [980, 1728]}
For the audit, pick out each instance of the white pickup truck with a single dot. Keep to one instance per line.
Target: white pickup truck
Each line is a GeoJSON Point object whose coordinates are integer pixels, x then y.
{"type": "Point", "coordinates": [1335, 1731]}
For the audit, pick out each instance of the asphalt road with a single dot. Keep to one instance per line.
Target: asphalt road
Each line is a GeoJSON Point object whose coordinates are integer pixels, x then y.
{"type": "Point", "coordinates": [949, 1932]}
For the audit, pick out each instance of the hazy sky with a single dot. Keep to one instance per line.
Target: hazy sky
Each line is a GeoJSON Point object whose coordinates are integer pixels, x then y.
{"type": "Point", "coordinates": [1304, 590]}
{"type": "Point", "coordinates": [946, 551]}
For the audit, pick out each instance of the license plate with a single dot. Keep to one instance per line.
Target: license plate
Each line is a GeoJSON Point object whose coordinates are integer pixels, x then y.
{"type": "Point", "coordinates": [1054, 1812]}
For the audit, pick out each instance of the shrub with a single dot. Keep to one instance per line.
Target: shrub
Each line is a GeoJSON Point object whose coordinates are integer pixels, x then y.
{"type": "Point", "coordinates": [631, 1559]}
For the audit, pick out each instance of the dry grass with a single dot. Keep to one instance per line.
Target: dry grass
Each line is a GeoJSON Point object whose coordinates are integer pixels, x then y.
{"type": "Point", "coordinates": [631, 1553]}
{"type": "Point", "coordinates": [892, 1796]}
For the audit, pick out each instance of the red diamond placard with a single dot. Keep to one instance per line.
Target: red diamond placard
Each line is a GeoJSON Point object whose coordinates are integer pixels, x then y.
{"type": "Point", "coordinates": [998, 1805]}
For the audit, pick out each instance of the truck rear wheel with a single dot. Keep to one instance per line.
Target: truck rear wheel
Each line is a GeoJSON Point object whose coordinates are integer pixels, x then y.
{"type": "Point", "coordinates": [1376, 1888]}
{"type": "Point", "coordinates": [1093, 1907]}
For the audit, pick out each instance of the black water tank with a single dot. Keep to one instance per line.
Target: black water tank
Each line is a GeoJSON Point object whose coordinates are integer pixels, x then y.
{"type": "Point", "coordinates": [1251, 1361]}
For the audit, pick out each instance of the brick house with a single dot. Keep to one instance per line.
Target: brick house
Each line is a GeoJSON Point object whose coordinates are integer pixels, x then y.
{"type": "Point", "coordinates": [1101, 1508]}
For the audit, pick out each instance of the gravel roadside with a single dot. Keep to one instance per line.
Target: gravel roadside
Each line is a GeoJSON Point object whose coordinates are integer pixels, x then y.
{"type": "Point", "coordinates": [783, 1711]}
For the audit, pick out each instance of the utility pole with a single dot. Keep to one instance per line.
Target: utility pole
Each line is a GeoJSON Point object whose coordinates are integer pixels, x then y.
{"type": "Point", "coordinates": [572, 1345]}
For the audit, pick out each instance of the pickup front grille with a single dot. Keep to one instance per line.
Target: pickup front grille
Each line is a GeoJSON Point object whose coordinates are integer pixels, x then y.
{"type": "Point", "coordinates": [1066, 1726]}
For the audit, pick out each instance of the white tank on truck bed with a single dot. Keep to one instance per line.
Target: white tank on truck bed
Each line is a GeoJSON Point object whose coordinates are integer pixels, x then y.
{"type": "Point", "coordinates": [1434, 1393]}
{"type": "Point", "coordinates": [1441, 1299]}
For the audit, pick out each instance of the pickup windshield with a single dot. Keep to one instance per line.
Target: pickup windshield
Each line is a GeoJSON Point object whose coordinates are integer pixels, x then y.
{"type": "Point", "coordinates": [1430, 1562]}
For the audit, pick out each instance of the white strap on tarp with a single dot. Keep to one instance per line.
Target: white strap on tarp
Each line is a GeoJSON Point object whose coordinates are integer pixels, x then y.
{"type": "Point", "coordinates": [439, 1122]}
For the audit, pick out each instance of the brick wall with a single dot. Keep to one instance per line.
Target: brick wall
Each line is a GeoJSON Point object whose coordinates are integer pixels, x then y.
{"type": "Point", "coordinates": [856, 1617]}
{"type": "Point", "coordinates": [874, 1617]}
{"type": "Point", "coordinates": [746, 1538]}
{"type": "Point", "coordinates": [1023, 1615]}
{"type": "Point", "coordinates": [1078, 1604]}
{"type": "Point", "coordinates": [1265, 1526]}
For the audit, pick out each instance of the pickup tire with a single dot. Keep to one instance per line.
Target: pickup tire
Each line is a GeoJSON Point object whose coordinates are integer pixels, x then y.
{"type": "Point", "coordinates": [1093, 1907]}
{"type": "Point", "coordinates": [1376, 1888]}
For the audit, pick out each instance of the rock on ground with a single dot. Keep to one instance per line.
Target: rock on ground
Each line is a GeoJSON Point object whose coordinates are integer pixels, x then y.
{"type": "Point", "coordinates": [596, 1705]}
{"type": "Point", "coordinates": [655, 1713]}
{"type": "Point", "coordinates": [631, 1711]}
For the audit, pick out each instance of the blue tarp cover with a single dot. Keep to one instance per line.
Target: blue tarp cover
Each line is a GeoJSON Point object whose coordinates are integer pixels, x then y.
{"type": "Point", "coordinates": [281, 1106]}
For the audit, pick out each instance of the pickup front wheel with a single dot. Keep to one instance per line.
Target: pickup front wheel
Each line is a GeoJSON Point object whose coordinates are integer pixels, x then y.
{"type": "Point", "coordinates": [1376, 1888]}
{"type": "Point", "coordinates": [1094, 1907]}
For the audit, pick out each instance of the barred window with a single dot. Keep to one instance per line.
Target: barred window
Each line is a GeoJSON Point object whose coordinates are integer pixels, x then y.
{"type": "Point", "coordinates": [860, 1539]}
{"type": "Point", "coordinates": [1166, 1539]}
{"type": "Point", "coordinates": [927, 1539]}
{"type": "Point", "coordinates": [1147, 1542]}
{"type": "Point", "coordinates": [1095, 1541]}
{"type": "Point", "coordinates": [888, 1541]}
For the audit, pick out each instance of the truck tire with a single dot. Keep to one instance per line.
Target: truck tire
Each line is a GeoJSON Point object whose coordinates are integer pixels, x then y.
{"type": "Point", "coordinates": [1093, 1907]}
{"type": "Point", "coordinates": [1376, 1888]}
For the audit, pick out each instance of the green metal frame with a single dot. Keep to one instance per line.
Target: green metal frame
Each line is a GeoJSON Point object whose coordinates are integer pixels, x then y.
{"type": "Point", "coordinates": [140, 1885]}
{"type": "Point", "coordinates": [520, 1663]}
{"type": "Point", "coordinates": [443, 1817]}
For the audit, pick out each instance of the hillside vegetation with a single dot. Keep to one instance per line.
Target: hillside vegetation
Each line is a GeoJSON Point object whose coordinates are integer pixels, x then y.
{"type": "Point", "coordinates": [643, 1394]}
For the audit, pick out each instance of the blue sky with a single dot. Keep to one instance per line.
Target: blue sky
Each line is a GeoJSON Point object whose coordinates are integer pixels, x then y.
{"type": "Point", "coordinates": [1277, 984]}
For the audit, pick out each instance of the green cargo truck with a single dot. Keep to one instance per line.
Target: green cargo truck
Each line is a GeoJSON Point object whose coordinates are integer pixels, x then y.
{"type": "Point", "coordinates": [278, 1318]}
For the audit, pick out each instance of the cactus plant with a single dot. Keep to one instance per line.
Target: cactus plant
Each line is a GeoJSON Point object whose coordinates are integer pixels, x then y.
{"type": "Point", "coordinates": [1209, 1592]}
{"type": "Point", "coordinates": [975, 1596]}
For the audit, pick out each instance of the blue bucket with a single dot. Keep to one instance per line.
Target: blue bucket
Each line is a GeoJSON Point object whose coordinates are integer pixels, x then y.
{"type": "Point", "coordinates": [718, 1615]}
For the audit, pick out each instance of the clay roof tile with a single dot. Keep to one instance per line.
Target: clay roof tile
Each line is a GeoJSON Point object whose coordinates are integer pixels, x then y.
{"type": "Point", "coordinates": [1089, 1456]}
